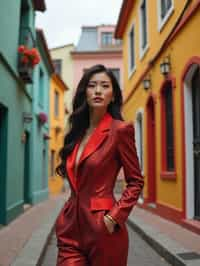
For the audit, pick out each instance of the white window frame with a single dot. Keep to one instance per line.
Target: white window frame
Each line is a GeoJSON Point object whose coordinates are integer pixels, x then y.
{"type": "Point", "coordinates": [133, 69]}
{"type": "Point", "coordinates": [143, 50]}
{"type": "Point", "coordinates": [162, 22]}
{"type": "Point", "coordinates": [140, 112]}
{"type": "Point", "coordinates": [103, 33]}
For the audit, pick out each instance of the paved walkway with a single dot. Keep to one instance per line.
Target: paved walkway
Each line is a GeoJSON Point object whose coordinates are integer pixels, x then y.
{"type": "Point", "coordinates": [175, 243]}
{"type": "Point", "coordinates": [14, 236]}
{"type": "Point", "coordinates": [172, 230]}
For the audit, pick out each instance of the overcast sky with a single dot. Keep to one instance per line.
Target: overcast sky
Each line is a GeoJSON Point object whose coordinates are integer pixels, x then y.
{"type": "Point", "coordinates": [63, 19]}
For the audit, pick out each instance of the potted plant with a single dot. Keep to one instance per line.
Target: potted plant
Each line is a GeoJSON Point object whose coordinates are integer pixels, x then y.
{"type": "Point", "coordinates": [28, 58]}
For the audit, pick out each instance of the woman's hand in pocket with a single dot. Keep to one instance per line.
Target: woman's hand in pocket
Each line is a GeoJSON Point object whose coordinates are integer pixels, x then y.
{"type": "Point", "coordinates": [109, 224]}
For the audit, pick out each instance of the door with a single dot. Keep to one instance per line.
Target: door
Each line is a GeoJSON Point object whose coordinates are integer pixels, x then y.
{"type": "Point", "coordinates": [196, 140]}
{"type": "Point", "coordinates": [27, 196]}
{"type": "Point", "coordinates": [3, 161]}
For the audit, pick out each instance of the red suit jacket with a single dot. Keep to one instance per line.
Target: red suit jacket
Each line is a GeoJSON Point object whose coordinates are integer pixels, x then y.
{"type": "Point", "coordinates": [110, 147]}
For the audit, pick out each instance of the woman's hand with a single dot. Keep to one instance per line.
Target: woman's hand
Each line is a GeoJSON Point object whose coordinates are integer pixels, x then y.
{"type": "Point", "coordinates": [109, 224]}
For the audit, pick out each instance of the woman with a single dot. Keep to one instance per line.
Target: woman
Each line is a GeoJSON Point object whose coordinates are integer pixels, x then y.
{"type": "Point", "coordinates": [91, 227]}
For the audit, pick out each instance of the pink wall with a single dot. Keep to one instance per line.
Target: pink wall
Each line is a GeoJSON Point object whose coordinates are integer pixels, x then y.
{"type": "Point", "coordinates": [110, 60]}
{"type": "Point", "coordinates": [110, 56]}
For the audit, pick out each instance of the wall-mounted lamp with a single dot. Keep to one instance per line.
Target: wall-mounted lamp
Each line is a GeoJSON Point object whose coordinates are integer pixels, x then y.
{"type": "Point", "coordinates": [147, 83]}
{"type": "Point", "coordinates": [165, 66]}
{"type": "Point", "coordinates": [27, 117]}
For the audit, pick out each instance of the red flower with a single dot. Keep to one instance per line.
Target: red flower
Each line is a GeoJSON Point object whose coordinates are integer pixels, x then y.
{"type": "Point", "coordinates": [21, 48]}
{"type": "Point", "coordinates": [24, 59]}
{"type": "Point", "coordinates": [31, 56]}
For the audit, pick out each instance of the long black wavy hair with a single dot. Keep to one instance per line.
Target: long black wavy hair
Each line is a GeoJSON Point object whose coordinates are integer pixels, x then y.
{"type": "Point", "coordinates": [79, 118]}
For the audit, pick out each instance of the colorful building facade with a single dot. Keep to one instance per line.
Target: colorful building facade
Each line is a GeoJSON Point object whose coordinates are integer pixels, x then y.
{"type": "Point", "coordinates": [97, 45]}
{"type": "Point", "coordinates": [63, 64]}
{"type": "Point", "coordinates": [161, 59]}
{"type": "Point", "coordinates": [17, 185]}
{"type": "Point", "coordinates": [57, 130]}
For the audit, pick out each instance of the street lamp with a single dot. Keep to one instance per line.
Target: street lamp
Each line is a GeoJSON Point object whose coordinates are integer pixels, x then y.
{"type": "Point", "coordinates": [147, 83]}
{"type": "Point", "coordinates": [165, 66]}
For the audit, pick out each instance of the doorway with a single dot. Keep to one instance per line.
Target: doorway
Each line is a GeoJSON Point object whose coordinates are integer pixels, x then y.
{"type": "Point", "coordinates": [3, 161]}
{"type": "Point", "coordinates": [27, 196]}
{"type": "Point", "coordinates": [196, 140]}
{"type": "Point", "coordinates": [192, 141]}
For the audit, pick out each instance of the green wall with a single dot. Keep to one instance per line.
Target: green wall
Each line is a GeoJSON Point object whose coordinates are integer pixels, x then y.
{"type": "Point", "coordinates": [16, 98]}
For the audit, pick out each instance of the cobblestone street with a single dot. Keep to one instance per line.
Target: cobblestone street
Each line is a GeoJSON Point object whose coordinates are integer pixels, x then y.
{"type": "Point", "coordinates": [140, 253]}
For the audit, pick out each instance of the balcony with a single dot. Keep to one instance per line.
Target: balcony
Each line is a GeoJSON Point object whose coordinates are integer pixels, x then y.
{"type": "Point", "coordinates": [25, 69]}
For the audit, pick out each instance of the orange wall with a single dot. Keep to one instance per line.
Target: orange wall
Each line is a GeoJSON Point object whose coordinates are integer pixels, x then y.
{"type": "Point", "coordinates": [56, 138]}
{"type": "Point", "coordinates": [184, 46]}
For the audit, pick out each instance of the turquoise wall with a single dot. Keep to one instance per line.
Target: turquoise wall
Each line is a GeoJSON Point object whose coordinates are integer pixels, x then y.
{"type": "Point", "coordinates": [16, 98]}
{"type": "Point", "coordinates": [39, 173]}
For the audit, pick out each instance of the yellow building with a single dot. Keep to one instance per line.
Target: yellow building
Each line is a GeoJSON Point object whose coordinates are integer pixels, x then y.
{"type": "Point", "coordinates": [161, 57]}
{"type": "Point", "coordinates": [57, 112]}
{"type": "Point", "coordinates": [62, 60]}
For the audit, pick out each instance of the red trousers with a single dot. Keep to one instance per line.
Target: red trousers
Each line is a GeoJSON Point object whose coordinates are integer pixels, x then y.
{"type": "Point", "coordinates": [84, 240]}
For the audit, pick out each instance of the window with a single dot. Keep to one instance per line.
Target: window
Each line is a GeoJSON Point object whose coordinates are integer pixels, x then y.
{"type": "Point", "coordinates": [41, 88]}
{"type": "Point", "coordinates": [139, 138]}
{"type": "Point", "coordinates": [44, 171]}
{"type": "Point", "coordinates": [116, 72]}
{"type": "Point", "coordinates": [168, 128]}
{"type": "Point", "coordinates": [56, 104]}
{"type": "Point", "coordinates": [165, 9]}
{"type": "Point", "coordinates": [25, 14]}
{"type": "Point", "coordinates": [131, 50]}
{"type": "Point", "coordinates": [106, 38]}
{"type": "Point", "coordinates": [143, 27]}
{"type": "Point", "coordinates": [52, 163]}
{"type": "Point", "coordinates": [58, 66]}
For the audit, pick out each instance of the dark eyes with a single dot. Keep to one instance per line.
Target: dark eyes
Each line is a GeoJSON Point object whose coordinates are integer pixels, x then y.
{"type": "Point", "coordinates": [93, 86]}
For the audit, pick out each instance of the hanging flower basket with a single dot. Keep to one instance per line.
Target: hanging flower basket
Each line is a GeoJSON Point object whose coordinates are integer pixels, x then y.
{"type": "Point", "coordinates": [42, 118]}
{"type": "Point", "coordinates": [28, 58]}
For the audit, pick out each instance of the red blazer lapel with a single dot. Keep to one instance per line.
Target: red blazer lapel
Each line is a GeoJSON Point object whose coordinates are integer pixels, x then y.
{"type": "Point", "coordinates": [97, 137]}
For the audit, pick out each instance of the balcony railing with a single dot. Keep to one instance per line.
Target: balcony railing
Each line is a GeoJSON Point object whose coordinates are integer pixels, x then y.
{"type": "Point", "coordinates": [25, 69]}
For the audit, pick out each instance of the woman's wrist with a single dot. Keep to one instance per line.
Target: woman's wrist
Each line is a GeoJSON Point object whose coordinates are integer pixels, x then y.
{"type": "Point", "coordinates": [111, 219]}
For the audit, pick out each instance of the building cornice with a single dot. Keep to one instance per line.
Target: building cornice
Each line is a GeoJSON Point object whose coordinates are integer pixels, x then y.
{"type": "Point", "coordinates": [43, 40]}
{"type": "Point", "coordinates": [123, 18]}
{"type": "Point", "coordinates": [117, 51]}
{"type": "Point", "coordinates": [59, 80]}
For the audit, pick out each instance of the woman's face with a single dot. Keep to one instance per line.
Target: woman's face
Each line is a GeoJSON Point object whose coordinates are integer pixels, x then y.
{"type": "Point", "coordinates": [99, 91]}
